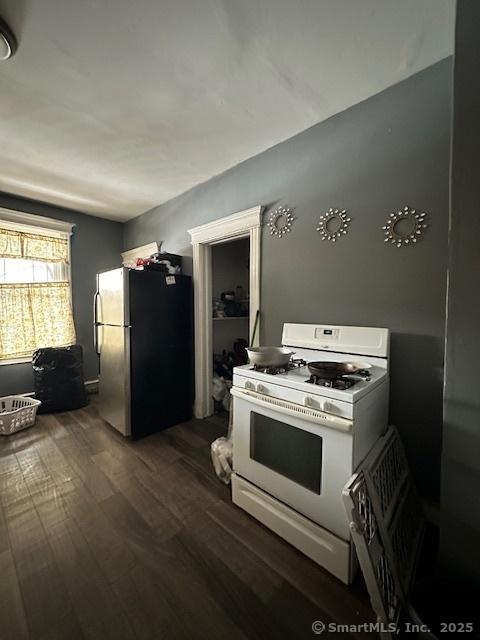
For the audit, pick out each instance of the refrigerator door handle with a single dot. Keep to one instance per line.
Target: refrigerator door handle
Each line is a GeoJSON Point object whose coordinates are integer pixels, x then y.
{"type": "Point", "coordinates": [95, 323]}
{"type": "Point", "coordinates": [99, 343]}
{"type": "Point", "coordinates": [96, 299]}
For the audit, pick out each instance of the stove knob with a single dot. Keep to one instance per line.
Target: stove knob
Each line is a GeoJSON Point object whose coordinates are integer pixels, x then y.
{"type": "Point", "coordinates": [307, 401]}
{"type": "Point", "coordinates": [261, 389]}
{"type": "Point", "coordinates": [249, 385]}
{"type": "Point", "coordinates": [324, 406]}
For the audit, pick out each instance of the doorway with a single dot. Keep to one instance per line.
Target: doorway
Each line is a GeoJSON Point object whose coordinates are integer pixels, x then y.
{"type": "Point", "coordinates": [230, 314]}
{"type": "Point", "coordinates": [244, 225]}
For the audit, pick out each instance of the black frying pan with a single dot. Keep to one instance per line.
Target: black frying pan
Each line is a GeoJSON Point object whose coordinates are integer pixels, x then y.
{"type": "Point", "coordinates": [332, 370]}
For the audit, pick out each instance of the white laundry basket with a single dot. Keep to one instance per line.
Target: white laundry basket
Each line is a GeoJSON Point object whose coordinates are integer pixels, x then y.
{"type": "Point", "coordinates": [16, 413]}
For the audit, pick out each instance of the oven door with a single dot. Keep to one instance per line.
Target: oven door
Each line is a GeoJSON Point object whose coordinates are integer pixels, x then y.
{"type": "Point", "coordinates": [301, 456]}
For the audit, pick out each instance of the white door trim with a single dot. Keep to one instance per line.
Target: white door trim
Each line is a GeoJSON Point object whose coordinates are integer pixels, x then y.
{"type": "Point", "coordinates": [244, 224]}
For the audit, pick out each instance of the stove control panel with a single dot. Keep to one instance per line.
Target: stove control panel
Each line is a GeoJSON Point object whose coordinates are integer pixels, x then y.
{"type": "Point", "coordinates": [256, 386]}
{"type": "Point", "coordinates": [313, 400]}
{"type": "Point", "coordinates": [371, 341]}
{"type": "Point", "coordinates": [326, 336]}
{"type": "Point", "coordinates": [323, 405]}
{"type": "Point", "coordinates": [322, 333]}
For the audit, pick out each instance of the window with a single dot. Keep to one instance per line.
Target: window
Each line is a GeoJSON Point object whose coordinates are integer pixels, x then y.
{"type": "Point", "coordinates": [35, 296]}
{"type": "Point", "coordinates": [18, 270]}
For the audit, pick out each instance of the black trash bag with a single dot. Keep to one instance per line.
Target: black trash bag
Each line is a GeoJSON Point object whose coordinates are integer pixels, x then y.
{"type": "Point", "coordinates": [58, 378]}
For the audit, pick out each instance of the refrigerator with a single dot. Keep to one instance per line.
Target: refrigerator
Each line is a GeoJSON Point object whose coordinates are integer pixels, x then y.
{"type": "Point", "coordinates": [143, 333]}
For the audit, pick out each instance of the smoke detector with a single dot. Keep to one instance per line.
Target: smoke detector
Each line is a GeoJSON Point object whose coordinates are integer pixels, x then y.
{"type": "Point", "coordinates": [8, 42]}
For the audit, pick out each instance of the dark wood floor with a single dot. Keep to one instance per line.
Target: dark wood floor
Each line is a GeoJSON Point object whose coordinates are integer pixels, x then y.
{"type": "Point", "coordinates": [102, 538]}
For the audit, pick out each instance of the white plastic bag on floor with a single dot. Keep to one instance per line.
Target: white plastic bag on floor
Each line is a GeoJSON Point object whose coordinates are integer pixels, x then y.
{"type": "Point", "coordinates": [222, 455]}
{"type": "Point", "coordinates": [221, 391]}
{"type": "Point", "coordinates": [218, 388]}
{"type": "Point", "coordinates": [222, 452]}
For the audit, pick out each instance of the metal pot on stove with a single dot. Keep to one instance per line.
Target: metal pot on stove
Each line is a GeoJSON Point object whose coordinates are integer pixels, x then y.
{"type": "Point", "coordinates": [269, 356]}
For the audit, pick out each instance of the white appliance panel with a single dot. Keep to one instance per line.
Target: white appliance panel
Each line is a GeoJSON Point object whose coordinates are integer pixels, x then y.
{"type": "Point", "coordinates": [311, 398]}
{"type": "Point", "coordinates": [114, 378]}
{"type": "Point", "coordinates": [314, 541]}
{"type": "Point", "coordinates": [324, 508]}
{"type": "Point", "coordinates": [111, 299]}
{"type": "Point", "coordinates": [368, 341]}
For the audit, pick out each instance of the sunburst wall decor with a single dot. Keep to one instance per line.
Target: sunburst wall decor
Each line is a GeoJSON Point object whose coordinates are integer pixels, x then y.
{"type": "Point", "coordinates": [333, 224]}
{"type": "Point", "coordinates": [280, 221]}
{"type": "Point", "coordinates": [404, 227]}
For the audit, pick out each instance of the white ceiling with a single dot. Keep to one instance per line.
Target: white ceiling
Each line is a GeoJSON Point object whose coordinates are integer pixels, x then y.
{"type": "Point", "coordinates": [114, 106]}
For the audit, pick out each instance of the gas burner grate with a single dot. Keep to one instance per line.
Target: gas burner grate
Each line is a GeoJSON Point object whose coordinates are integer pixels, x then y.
{"type": "Point", "coordinates": [365, 374]}
{"type": "Point", "coordinates": [296, 363]}
{"type": "Point", "coordinates": [342, 382]}
{"type": "Point", "coordinates": [336, 383]}
{"type": "Point", "coordinates": [273, 371]}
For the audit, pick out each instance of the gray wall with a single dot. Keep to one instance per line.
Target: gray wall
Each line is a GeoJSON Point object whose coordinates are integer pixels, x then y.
{"type": "Point", "coordinates": [96, 245]}
{"type": "Point", "coordinates": [460, 496]}
{"type": "Point", "coordinates": [381, 154]}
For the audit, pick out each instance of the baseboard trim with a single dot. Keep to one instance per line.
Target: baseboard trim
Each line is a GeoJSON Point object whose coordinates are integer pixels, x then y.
{"type": "Point", "coordinates": [91, 387]}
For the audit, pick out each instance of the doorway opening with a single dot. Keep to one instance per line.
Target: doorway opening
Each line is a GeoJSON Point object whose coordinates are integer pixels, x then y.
{"type": "Point", "coordinates": [207, 239]}
{"type": "Point", "coordinates": [230, 315]}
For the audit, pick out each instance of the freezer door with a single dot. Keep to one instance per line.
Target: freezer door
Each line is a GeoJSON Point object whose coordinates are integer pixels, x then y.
{"type": "Point", "coordinates": [114, 379]}
{"type": "Point", "coordinates": [112, 298]}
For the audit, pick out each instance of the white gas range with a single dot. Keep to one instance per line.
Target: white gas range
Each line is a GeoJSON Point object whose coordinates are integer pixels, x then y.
{"type": "Point", "coordinates": [296, 442]}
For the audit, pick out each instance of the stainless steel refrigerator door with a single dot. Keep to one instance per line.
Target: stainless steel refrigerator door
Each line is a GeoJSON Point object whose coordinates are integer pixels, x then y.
{"type": "Point", "coordinates": [112, 298]}
{"type": "Point", "coordinates": [114, 379]}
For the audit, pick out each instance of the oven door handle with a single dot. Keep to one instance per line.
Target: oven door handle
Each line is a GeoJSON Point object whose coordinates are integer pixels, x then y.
{"type": "Point", "coordinates": [294, 410]}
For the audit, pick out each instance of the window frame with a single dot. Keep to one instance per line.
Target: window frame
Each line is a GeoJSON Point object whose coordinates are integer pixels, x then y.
{"type": "Point", "coordinates": [41, 225]}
